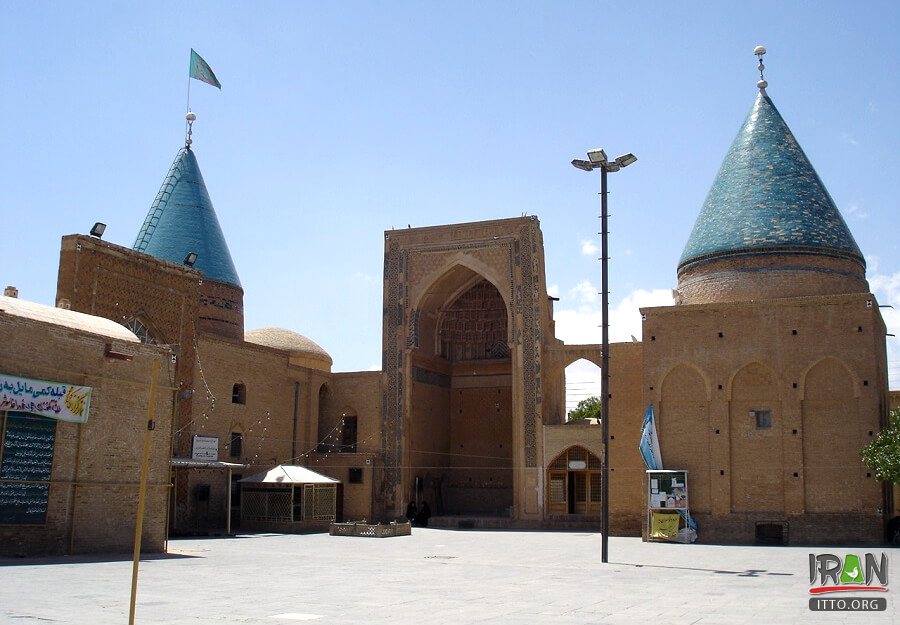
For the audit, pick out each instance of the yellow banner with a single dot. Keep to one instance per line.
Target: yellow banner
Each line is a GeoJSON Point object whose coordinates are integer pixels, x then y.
{"type": "Point", "coordinates": [664, 525]}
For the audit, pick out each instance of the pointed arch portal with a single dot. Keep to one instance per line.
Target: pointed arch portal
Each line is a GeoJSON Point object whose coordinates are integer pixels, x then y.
{"type": "Point", "coordinates": [459, 447]}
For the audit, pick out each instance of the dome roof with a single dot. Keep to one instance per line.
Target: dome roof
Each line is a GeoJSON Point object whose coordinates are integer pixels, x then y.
{"type": "Point", "coordinates": [286, 340]}
{"type": "Point", "coordinates": [767, 198]}
{"type": "Point", "coordinates": [66, 318]}
{"type": "Point", "coordinates": [182, 220]}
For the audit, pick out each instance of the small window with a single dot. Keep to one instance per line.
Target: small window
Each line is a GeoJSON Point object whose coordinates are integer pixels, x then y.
{"type": "Point", "coordinates": [239, 394]}
{"type": "Point", "coordinates": [356, 475]}
{"type": "Point", "coordinates": [141, 331]}
{"type": "Point", "coordinates": [235, 444]}
{"type": "Point", "coordinates": [763, 419]}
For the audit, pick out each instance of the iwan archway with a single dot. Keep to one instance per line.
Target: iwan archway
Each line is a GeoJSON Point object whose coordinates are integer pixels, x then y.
{"type": "Point", "coordinates": [460, 428]}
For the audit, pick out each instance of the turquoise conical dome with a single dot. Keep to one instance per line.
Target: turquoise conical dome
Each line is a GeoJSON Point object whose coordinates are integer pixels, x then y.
{"type": "Point", "coordinates": [766, 199]}
{"type": "Point", "coordinates": [182, 220]}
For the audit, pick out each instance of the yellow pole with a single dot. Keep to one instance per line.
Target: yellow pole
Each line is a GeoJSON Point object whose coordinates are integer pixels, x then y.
{"type": "Point", "coordinates": [142, 493]}
{"type": "Point", "coordinates": [228, 505]}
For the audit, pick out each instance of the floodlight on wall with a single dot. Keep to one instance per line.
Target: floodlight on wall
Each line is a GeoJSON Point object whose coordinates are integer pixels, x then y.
{"type": "Point", "coordinates": [190, 259]}
{"type": "Point", "coordinates": [98, 230]}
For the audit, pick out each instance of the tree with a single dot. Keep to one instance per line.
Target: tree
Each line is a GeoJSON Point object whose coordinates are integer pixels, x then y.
{"type": "Point", "coordinates": [882, 455]}
{"type": "Point", "coordinates": [586, 409]}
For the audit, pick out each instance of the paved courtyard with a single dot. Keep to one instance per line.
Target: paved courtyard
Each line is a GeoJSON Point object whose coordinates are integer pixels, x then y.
{"type": "Point", "coordinates": [433, 577]}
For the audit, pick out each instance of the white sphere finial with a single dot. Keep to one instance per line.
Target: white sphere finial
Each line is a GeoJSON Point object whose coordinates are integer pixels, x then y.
{"type": "Point", "coordinates": [759, 51]}
{"type": "Point", "coordinates": [190, 117]}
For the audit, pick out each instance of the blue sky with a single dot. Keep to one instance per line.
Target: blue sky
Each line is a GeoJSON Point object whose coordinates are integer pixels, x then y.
{"type": "Point", "coordinates": [338, 121]}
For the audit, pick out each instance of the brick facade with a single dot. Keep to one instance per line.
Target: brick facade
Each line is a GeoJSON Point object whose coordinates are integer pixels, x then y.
{"type": "Point", "coordinates": [470, 403]}
{"type": "Point", "coordinates": [768, 404]}
{"type": "Point", "coordinates": [95, 478]}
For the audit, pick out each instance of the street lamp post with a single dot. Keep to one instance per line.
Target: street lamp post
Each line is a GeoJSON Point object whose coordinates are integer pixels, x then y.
{"type": "Point", "coordinates": [597, 160]}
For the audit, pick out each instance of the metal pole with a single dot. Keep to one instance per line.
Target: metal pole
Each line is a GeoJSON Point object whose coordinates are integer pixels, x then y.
{"type": "Point", "coordinates": [604, 371]}
{"type": "Point", "coordinates": [142, 492]}
{"type": "Point", "coordinates": [228, 504]}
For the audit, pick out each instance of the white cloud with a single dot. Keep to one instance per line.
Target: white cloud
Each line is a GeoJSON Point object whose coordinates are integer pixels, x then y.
{"type": "Point", "coordinates": [582, 325]}
{"type": "Point", "coordinates": [553, 290]}
{"type": "Point", "coordinates": [589, 248]}
{"type": "Point", "coordinates": [582, 381]}
{"type": "Point", "coordinates": [584, 292]}
{"type": "Point", "coordinates": [363, 276]}
{"type": "Point", "coordinates": [848, 138]}
{"type": "Point", "coordinates": [857, 211]}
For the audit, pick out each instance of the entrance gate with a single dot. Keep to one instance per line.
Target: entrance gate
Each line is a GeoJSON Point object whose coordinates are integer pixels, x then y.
{"type": "Point", "coordinates": [574, 483]}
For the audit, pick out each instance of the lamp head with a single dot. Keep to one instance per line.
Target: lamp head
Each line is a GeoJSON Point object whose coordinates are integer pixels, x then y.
{"type": "Point", "coordinates": [582, 165]}
{"type": "Point", "coordinates": [597, 156]}
{"type": "Point", "coordinates": [626, 159]}
{"type": "Point", "coordinates": [98, 230]}
{"type": "Point", "coordinates": [190, 259]}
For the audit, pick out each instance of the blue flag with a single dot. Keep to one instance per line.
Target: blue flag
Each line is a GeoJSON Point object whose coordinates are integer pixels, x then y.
{"type": "Point", "coordinates": [652, 456]}
{"type": "Point", "coordinates": [649, 445]}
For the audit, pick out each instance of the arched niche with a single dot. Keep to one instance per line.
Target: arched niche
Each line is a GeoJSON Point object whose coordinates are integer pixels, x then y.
{"type": "Point", "coordinates": [430, 305]}
{"type": "Point", "coordinates": [684, 430]}
{"type": "Point", "coordinates": [756, 432]}
{"type": "Point", "coordinates": [832, 439]}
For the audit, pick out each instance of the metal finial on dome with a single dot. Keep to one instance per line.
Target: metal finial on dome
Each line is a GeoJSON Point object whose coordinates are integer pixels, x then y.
{"type": "Point", "coordinates": [190, 117]}
{"type": "Point", "coordinates": [759, 51]}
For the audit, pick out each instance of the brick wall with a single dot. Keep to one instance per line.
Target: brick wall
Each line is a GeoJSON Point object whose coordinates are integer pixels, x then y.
{"type": "Point", "coordinates": [96, 465]}
{"type": "Point", "coordinates": [114, 282]}
{"type": "Point", "coordinates": [813, 364]}
{"type": "Point", "coordinates": [357, 393]}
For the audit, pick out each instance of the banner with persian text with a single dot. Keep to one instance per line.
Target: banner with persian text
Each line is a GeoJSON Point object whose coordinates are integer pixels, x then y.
{"type": "Point", "coordinates": [57, 400]}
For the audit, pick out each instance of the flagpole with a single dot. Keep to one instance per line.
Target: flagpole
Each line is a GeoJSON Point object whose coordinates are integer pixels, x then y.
{"type": "Point", "coordinates": [186, 124]}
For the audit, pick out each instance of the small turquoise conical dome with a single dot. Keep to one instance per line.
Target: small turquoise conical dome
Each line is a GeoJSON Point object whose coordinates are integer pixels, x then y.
{"type": "Point", "coordinates": [767, 198]}
{"type": "Point", "coordinates": [182, 220]}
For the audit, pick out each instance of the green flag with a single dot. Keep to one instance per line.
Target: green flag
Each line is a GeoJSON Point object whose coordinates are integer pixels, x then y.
{"type": "Point", "coordinates": [201, 70]}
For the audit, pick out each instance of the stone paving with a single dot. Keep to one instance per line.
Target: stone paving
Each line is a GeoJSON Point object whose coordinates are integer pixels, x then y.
{"type": "Point", "coordinates": [433, 577]}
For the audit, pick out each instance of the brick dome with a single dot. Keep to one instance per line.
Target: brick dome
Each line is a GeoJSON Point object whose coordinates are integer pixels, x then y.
{"type": "Point", "coordinates": [298, 345]}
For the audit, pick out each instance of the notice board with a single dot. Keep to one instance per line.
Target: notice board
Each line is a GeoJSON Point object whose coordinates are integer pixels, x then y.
{"type": "Point", "coordinates": [25, 458]}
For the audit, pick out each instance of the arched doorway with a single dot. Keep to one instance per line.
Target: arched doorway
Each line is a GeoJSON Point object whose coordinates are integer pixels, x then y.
{"type": "Point", "coordinates": [573, 482]}
{"type": "Point", "coordinates": [582, 382]}
{"type": "Point", "coordinates": [459, 446]}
